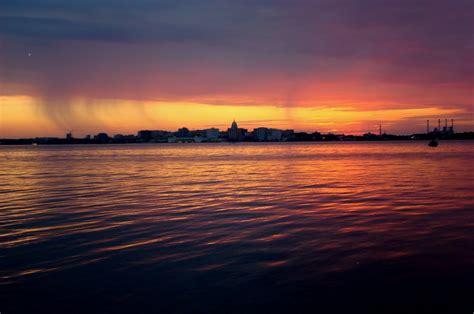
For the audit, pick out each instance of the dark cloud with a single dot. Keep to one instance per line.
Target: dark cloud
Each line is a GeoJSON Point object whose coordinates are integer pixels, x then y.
{"type": "Point", "coordinates": [59, 29]}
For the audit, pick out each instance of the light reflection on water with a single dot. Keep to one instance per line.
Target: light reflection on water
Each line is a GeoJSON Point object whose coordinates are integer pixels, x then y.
{"type": "Point", "coordinates": [278, 217]}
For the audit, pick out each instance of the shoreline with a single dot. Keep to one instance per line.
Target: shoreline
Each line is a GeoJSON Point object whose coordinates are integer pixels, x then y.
{"type": "Point", "coordinates": [61, 142]}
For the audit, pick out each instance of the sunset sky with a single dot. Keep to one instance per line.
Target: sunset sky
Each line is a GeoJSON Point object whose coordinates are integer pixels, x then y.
{"type": "Point", "coordinates": [339, 66]}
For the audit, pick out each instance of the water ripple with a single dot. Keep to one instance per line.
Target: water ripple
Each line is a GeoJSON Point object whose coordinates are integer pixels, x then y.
{"type": "Point", "coordinates": [234, 213]}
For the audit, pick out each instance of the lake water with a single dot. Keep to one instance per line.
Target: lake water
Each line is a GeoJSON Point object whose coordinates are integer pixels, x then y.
{"type": "Point", "coordinates": [237, 228]}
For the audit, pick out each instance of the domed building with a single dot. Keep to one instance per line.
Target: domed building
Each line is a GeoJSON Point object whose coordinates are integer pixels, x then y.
{"type": "Point", "coordinates": [234, 125]}
{"type": "Point", "coordinates": [235, 133]}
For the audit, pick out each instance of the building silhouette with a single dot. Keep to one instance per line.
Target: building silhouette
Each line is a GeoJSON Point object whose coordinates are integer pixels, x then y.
{"type": "Point", "coordinates": [102, 137]}
{"type": "Point", "coordinates": [235, 133]}
{"type": "Point", "coordinates": [441, 133]}
{"type": "Point", "coordinates": [269, 135]}
{"type": "Point", "coordinates": [212, 134]}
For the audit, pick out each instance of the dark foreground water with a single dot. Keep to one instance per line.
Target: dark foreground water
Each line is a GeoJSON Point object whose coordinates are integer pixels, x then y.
{"type": "Point", "coordinates": [263, 228]}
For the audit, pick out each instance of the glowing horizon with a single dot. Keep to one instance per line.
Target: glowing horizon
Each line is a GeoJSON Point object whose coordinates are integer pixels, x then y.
{"type": "Point", "coordinates": [325, 66]}
{"type": "Point", "coordinates": [24, 118]}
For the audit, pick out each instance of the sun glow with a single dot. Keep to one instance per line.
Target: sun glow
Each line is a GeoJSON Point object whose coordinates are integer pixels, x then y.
{"type": "Point", "coordinates": [25, 116]}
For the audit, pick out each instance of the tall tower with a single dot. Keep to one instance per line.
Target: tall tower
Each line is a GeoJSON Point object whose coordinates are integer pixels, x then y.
{"type": "Point", "coordinates": [427, 126]}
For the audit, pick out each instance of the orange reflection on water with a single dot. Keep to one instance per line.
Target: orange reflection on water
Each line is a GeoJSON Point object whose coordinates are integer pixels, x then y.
{"type": "Point", "coordinates": [327, 206]}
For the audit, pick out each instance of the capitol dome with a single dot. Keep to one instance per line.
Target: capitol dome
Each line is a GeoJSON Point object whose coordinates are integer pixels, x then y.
{"type": "Point", "coordinates": [234, 125]}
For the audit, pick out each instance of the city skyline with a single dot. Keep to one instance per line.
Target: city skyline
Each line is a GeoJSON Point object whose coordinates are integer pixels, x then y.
{"type": "Point", "coordinates": [412, 127]}
{"type": "Point", "coordinates": [307, 65]}
{"type": "Point", "coordinates": [441, 130]}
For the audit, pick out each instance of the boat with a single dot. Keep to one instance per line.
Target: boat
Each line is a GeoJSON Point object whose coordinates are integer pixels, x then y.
{"type": "Point", "coordinates": [433, 143]}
